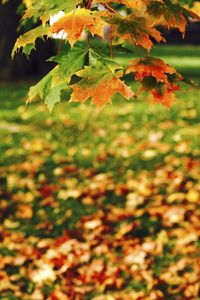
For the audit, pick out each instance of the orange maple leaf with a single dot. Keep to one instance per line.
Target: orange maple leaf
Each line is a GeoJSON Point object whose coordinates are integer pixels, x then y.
{"type": "Point", "coordinates": [168, 14]}
{"type": "Point", "coordinates": [150, 66]}
{"type": "Point", "coordinates": [100, 84]}
{"type": "Point", "coordinates": [157, 77]}
{"type": "Point", "coordinates": [74, 23]}
{"type": "Point", "coordinates": [166, 97]}
{"type": "Point", "coordinates": [177, 20]}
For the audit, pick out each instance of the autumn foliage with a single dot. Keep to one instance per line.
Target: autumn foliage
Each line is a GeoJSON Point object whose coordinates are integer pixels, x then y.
{"type": "Point", "coordinates": [129, 24]}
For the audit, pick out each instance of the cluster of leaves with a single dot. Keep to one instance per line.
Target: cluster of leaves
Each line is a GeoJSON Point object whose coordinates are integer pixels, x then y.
{"type": "Point", "coordinates": [106, 213]}
{"type": "Point", "coordinates": [157, 77]}
{"type": "Point", "coordinates": [88, 73]}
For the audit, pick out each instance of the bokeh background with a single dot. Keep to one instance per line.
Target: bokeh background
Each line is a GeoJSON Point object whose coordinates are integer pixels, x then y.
{"type": "Point", "coordinates": [96, 205]}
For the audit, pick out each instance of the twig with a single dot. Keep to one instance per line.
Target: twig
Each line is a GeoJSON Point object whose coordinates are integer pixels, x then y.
{"type": "Point", "coordinates": [110, 9]}
{"type": "Point", "coordinates": [88, 4]}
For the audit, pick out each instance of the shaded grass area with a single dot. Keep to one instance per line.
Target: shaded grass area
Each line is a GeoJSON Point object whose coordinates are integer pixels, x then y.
{"type": "Point", "coordinates": [112, 195]}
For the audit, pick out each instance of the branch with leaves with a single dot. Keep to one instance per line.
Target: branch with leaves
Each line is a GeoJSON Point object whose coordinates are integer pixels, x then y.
{"type": "Point", "coordinates": [132, 24]}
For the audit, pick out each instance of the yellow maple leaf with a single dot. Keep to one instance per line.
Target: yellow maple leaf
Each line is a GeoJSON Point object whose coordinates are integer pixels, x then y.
{"type": "Point", "coordinates": [30, 37]}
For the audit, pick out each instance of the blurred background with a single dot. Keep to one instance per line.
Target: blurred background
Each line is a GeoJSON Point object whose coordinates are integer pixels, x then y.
{"type": "Point", "coordinates": [101, 206]}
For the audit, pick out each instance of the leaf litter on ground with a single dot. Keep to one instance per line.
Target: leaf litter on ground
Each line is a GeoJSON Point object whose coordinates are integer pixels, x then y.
{"type": "Point", "coordinates": [99, 206]}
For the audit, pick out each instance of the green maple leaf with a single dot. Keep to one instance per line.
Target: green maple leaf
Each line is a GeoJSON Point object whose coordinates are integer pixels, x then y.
{"type": "Point", "coordinates": [44, 9]}
{"type": "Point", "coordinates": [69, 64]}
{"type": "Point", "coordinates": [50, 87]}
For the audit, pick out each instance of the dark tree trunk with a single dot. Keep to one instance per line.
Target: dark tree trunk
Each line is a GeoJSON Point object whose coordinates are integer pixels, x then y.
{"type": "Point", "coordinates": [20, 67]}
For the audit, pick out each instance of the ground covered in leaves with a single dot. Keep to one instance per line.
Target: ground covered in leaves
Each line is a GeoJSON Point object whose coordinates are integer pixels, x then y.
{"type": "Point", "coordinates": [99, 206]}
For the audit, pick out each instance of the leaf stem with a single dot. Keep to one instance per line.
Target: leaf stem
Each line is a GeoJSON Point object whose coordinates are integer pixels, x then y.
{"type": "Point", "coordinates": [111, 42]}
{"type": "Point", "coordinates": [88, 40]}
{"type": "Point", "coordinates": [88, 4]}
{"type": "Point", "coordinates": [60, 42]}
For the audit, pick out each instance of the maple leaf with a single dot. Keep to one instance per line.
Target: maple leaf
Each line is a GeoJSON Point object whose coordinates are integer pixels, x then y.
{"type": "Point", "coordinates": [74, 23]}
{"type": "Point", "coordinates": [69, 63]}
{"type": "Point", "coordinates": [157, 77]}
{"type": "Point", "coordinates": [44, 9]}
{"type": "Point", "coordinates": [45, 90]}
{"type": "Point", "coordinates": [151, 66]}
{"type": "Point", "coordinates": [168, 14]}
{"type": "Point", "coordinates": [136, 29]}
{"type": "Point", "coordinates": [50, 87]}
{"type": "Point", "coordinates": [100, 84]}
{"type": "Point", "coordinates": [165, 96]}
{"type": "Point", "coordinates": [29, 38]}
